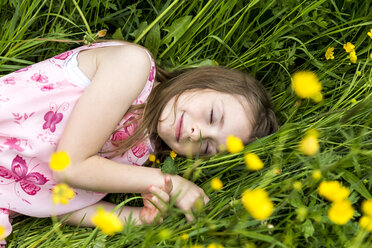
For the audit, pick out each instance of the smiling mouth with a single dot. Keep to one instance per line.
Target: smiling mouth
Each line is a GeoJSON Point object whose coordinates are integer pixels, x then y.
{"type": "Point", "coordinates": [179, 129]}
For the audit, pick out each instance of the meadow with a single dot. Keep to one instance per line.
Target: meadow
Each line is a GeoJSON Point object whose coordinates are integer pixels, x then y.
{"type": "Point", "coordinates": [269, 39]}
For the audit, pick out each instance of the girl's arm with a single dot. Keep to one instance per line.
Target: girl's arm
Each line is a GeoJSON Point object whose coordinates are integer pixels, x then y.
{"type": "Point", "coordinates": [121, 74]}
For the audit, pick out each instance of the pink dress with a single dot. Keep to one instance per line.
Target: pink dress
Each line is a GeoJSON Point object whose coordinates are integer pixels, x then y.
{"type": "Point", "coordinates": [35, 104]}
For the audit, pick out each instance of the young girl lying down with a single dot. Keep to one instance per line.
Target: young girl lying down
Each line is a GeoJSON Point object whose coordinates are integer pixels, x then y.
{"type": "Point", "coordinates": [107, 108]}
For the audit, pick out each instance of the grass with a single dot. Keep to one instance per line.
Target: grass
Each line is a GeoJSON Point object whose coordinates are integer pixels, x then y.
{"type": "Point", "coordinates": [268, 39]}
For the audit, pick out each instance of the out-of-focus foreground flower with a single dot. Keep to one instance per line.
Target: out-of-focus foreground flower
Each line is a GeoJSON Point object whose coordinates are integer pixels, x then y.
{"type": "Point", "coordinates": [257, 203]}
{"type": "Point", "coordinates": [306, 85]}
{"type": "Point", "coordinates": [108, 222]}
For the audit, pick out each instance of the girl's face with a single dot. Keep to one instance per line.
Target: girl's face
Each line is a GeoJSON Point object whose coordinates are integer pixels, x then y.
{"type": "Point", "coordinates": [205, 116]}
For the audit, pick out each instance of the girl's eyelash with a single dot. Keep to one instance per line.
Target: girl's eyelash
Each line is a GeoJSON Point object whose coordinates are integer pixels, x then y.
{"type": "Point", "coordinates": [206, 148]}
{"type": "Point", "coordinates": [211, 118]}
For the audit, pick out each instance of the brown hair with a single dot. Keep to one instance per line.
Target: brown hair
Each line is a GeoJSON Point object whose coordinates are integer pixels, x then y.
{"type": "Point", "coordinates": [215, 78]}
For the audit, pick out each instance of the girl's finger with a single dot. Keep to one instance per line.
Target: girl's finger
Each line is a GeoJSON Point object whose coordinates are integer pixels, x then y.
{"type": "Point", "coordinates": [168, 184]}
{"type": "Point", "coordinates": [160, 194]}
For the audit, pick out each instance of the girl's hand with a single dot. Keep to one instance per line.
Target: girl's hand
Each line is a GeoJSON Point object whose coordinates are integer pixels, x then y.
{"type": "Point", "coordinates": [187, 195]}
{"type": "Point", "coordinates": [156, 202]}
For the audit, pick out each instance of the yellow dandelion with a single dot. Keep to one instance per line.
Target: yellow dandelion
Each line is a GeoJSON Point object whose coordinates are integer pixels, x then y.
{"type": "Point", "coordinates": [197, 246]}
{"type": "Point", "coordinates": [152, 158]}
{"type": "Point", "coordinates": [367, 207]}
{"type": "Point", "coordinates": [309, 145]}
{"type": "Point", "coordinates": [102, 33]}
{"type": "Point", "coordinates": [329, 54]}
{"type": "Point", "coordinates": [349, 47]}
{"type": "Point", "coordinates": [257, 203]}
{"type": "Point", "coordinates": [108, 222]}
{"type": "Point", "coordinates": [59, 161]}
{"type": "Point", "coordinates": [341, 212]}
{"type": "Point", "coordinates": [306, 84]}
{"type": "Point", "coordinates": [2, 232]}
{"type": "Point", "coordinates": [370, 33]}
{"type": "Point", "coordinates": [184, 236]}
{"type": "Point", "coordinates": [216, 184]}
{"type": "Point", "coordinates": [317, 174]}
{"type": "Point", "coordinates": [370, 55]}
{"type": "Point", "coordinates": [234, 144]}
{"type": "Point", "coordinates": [252, 161]}
{"type": "Point", "coordinates": [173, 154]}
{"type": "Point", "coordinates": [62, 193]}
{"type": "Point", "coordinates": [333, 191]}
{"type": "Point", "coordinates": [158, 161]}
{"type": "Point", "coordinates": [165, 234]}
{"type": "Point", "coordinates": [366, 222]}
{"type": "Point", "coordinates": [297, 185]}
{"type": "Point", "coordinates": [353, 57]}
{"type": "Point", "coordinates": [214, 245]}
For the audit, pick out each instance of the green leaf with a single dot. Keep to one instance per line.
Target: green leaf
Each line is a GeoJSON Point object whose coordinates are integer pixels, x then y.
{"type": "Point", "coordinates": [177, 29]}
{"type": "Point", "coordinates": [356, 183]}
{"type": "Point", "coordinates": [153, 40]}
{"type": "Point", "coordinates": [308, 228]}
{"type": "Point", "coordinates": [169, 166]}
{"type": "Point", "coordinates": [118, 35]}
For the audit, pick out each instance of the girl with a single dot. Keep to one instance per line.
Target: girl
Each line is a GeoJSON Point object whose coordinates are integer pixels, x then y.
{"type": "Point", "coordinates": [102, 105]}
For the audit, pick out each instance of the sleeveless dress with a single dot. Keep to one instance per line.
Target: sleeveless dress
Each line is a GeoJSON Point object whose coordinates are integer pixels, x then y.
{"type": "Point", "coordinates": [35, 104]}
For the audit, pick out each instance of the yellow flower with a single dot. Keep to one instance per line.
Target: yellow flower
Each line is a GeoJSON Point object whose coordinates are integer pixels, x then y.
{"type": "Point", "coordinates": [309, 145]}
{"type": "Point", "coordinates": [215, 61]}
{"type": "Point", "coordinates": [165, 234]}
{"type": "Point", "coordinates": [297, 185]}
{"type": "Point", "coordinates": [349, 47]}
{"type": "Point", "coordinates": [333, 191]}
{"type": "Point", "coordinates": [216, 184]}
{"type": "Point", "coordinates": [152, 158]}
{"type": "Point", "coordinates": [252, 161]}
{"type": "Point", "coordinates": [184, 236]}
{"type": "Point", "coordinates": [367, 207]}
{"type": "Point", "coordinates": [234, 144]}
{"type": "Point", "coordinates": [317, 174]}
{"type": "Point", "coordinates": [370, 33]}
{"type": "Point", "coordinates": [370, 55]}
{"type": "Point", "coordinates": [329, 53]}
{"type": "Point", "coordinates": [341, 212]}
{"type": "Point", "coordinates": [62, 193]}
{"type": "Point", "coordinates": [197, 246]}
{"type": "Point", "coordinates": [353, 57]}
{"type": "Point", "coordinates": [108, 222]}
{"type": "Point", "coordinates": [214, 245]}
{"type": "Point", "coordinates": [59, 161]}
{"type": "Point", "coordinates": [257, 203]}
{"type": "Point", "coordinates": [2, 233]}
{"type": "Point", "coordinates": [306, 85]}
{"type": "Point", "coordinates": [173, 154]}
{"type": "Point", "coordinates": [102, 33]}
{"type": "Point", "coordinates": [366, 223]}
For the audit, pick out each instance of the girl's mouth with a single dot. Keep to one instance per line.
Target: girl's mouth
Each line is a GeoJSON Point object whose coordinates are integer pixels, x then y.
{"type": "Point", "coordinates": [179, 129]}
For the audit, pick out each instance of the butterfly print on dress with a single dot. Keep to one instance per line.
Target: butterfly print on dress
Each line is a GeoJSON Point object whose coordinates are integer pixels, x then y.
{"type": "Point", "coordinates": [29, 182]}
{"type": "Point", "coordinates": [52, 117]}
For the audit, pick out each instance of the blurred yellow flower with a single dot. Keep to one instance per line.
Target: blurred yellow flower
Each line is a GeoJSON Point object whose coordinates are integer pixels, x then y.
{"type": "Point", "coordinates": [2, 232]}
{"type": "Point", "coordinates": [216, 184]}
{"type": "Point", "coordinates": [184, 236]}
{"type": "Point", "coordinates": [197, 246]}
{"type": "Point", "coordinates": [62, 193]}
{"type": "Point", "coordinates": [165, 234]}
{"type": "Point", "coordinates": [297, 185]}
{"type": "Point", "coordinates": [366, 222]}
{"type": "Point", "coordinates": [370, 55]}
{"type": "Point", "coordinates": [341, 212]}
{"type": "Point", "coordinates": [173, 154]}
{"type": "Point", "coordinates": [102, 33]}
{"type": "Point", "coordinates": [59, 161]}
{"type": "Point", "coordinates": [306, 85]}
{"type": "Point", "coordinates": [234, 144]}
{"type": "Point", "coordinates": [367, 207]}
{"type": "Point", "coordinates": [317, 174]}
{"type": "Point", "coordinates": [353, 57]}
{"type": "Point", "coordinates": [214, 245]}
{"type": "Point", "coordinates": [370, 33]}
{"type": "Point", "coordinates": [252, 161]}
{"type": "Point", "coordinates": [152, 158]}
{"type": "Point", "coordinates": [108, 222]}
{"type": "Point", "coordinates": [349, 47]}
{"type": "Point", "coordinates": [329, 53]}
{"type": "Point", "coordinates": [333, 191]}
{"type": "Point", "coordinates": [257, 203]}
{"type": "Point", "coordinates": [215, 61]}
{"type": "Point", "coordinates": [309, 145]}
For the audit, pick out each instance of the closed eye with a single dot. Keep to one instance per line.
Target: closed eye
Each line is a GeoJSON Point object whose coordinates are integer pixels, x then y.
{"type": "Point", "coordinates": [211, 117]}
{"type": "Point", "coordinates": [206, 148]}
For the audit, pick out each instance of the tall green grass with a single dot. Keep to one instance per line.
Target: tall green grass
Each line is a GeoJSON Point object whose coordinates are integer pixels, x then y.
{"type": "Point", "coordinates": [268, 39]}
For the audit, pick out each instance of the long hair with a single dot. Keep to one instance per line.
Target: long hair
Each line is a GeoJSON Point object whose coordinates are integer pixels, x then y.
{"type": "Point", "coordinates": [216, 78]}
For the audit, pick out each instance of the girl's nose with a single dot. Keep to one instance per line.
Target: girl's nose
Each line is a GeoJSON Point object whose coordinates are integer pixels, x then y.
{"type": "Point", "coordinates": [194, 133]}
